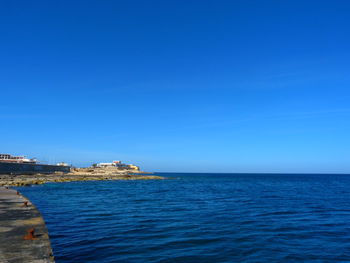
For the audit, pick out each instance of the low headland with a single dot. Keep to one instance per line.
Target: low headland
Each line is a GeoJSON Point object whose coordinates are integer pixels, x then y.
{"type": "Point", "coordinates": [76, 174]}
{"type": "Point", "coordinates": [22, 171]}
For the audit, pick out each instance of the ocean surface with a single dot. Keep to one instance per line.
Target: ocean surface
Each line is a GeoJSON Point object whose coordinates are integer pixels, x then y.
{"type": "Point", "coordinates": [199, 218]}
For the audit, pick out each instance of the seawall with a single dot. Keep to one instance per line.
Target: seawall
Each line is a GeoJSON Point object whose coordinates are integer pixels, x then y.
{"type": "Point", "coordinates": [31, 168]}
{"type": "Point", "coordinates": [17, 216]}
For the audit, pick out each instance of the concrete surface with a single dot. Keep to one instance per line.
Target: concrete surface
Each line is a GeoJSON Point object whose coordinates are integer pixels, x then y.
{"type": "Point", "coordinates": [15, 220]}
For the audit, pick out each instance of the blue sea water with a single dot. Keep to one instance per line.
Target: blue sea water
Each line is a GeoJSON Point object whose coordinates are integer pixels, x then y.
{"type": "Point", "coordinates": [199, 218]}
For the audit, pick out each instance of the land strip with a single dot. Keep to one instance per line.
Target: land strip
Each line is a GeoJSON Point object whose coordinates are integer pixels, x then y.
{"type": "Point", "coordinates": [81, 174]}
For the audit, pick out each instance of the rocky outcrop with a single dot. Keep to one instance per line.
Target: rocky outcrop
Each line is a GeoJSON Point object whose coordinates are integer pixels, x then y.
{"type": "Point", "coordinates": [76, 174]}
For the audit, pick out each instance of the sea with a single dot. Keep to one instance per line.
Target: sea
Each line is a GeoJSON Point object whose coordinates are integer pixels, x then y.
{"type": "Point", "coordinates": [191, 218]}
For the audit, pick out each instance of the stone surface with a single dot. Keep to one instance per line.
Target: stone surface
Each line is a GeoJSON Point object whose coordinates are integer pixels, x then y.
{"type": "Point", "coordinates": [15, 220]}
{"type": "Point", "coordinates": [80, 174]}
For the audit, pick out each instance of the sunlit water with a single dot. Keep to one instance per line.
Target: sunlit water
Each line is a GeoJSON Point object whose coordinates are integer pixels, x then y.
{"type": "Point", "coordinates": [199, 218]}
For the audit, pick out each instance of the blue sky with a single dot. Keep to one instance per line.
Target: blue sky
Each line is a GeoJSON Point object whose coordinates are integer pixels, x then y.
{"type": "Point", "coordinates": [191, 86]}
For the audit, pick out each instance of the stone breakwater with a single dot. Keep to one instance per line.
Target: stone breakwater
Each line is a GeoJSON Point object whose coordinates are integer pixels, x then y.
{"type": "Point", "coordinates": [23, 234]}
{"type": "Point", "coordinates": [81, 174]}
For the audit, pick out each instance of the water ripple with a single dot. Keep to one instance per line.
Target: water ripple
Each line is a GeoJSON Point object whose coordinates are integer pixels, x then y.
{"type": "Point", "coordinates": [199, 218]}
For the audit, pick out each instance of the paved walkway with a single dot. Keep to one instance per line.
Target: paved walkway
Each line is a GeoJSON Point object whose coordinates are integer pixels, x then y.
{"type": "Point", "coordinates": [15, 220]}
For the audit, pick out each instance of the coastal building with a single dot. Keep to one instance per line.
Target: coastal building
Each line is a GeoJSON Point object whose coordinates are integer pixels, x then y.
{"type": "Point", "coordinates": [21, 165]}
{"type": "Point", "coordinates": [62, 164]}
{"type": "Point", "coordinates": [8, 158]}
{"type": "Point", "coordinates": [104, 165]}
{"type": "Point", "coordinates": [112, 164]}
{"type": "Point", "coordinates": [133, 167]}
{"type": "Point", "coordinates": [118, 165]}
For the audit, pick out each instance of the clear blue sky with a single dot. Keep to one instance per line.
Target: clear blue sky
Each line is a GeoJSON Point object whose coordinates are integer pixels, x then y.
{"type": "Point", "coordinates": [192, 86]}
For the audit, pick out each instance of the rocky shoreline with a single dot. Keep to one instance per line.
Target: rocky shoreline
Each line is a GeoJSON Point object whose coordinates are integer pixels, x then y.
{"type": "Point", "coordinates": [78, 174]}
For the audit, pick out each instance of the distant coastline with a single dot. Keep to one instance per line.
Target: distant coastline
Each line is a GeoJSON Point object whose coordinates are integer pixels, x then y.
{"type": "Point", "coordinates": [21, 171]}
{"type": "Point", "coordinates": [78, 175]}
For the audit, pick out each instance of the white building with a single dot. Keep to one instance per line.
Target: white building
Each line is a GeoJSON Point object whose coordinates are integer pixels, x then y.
{"type": "Point", "coordinates": [117, 164]}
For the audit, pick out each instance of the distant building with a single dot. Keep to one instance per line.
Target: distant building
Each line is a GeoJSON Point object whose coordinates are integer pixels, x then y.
{"type": "Point", "coordinates": [133, 167]}
{"type": "Point", "coordinates": [15, 159]}
{"type": "Point", "coordinates": [103, 165]}
{"type": "Point", "coordinates": [62, 164]}
{"type": "Point", "coordinates": [117, 164]}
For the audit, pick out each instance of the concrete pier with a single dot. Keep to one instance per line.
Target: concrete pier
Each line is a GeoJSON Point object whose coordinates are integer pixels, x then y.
{"type": "Point", "coordinates": [17, 216]}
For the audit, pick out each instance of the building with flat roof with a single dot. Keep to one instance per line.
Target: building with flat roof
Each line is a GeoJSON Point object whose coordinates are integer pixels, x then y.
{"type": "Point", "coordinates": [118, 165]}
{"type": "Point", "coordinates": [8, 158]}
